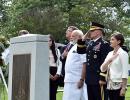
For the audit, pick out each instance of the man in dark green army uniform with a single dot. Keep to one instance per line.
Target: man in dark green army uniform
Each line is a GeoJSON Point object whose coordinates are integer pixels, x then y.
{"type": "Point", "coordinates": [96, 52]}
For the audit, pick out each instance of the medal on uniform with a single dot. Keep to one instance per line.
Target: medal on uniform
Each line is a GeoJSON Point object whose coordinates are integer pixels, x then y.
{"type": "Point", "coordinates": [95, 56]}
{"type": "Point", "coordinates": [97, 47]}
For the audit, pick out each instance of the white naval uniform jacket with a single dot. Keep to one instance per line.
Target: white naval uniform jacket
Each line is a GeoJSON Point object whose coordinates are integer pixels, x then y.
{"type": "Point", "coordinates": [119, 66]}
{"type": "Point", "coordinates": [74, 65]}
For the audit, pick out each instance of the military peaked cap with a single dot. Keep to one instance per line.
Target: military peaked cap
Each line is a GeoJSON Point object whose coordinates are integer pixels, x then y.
{"type": "Point", "coordinates": [96, 26]}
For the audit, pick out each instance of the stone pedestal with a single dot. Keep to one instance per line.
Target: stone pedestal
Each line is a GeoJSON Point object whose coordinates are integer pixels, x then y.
{"type": "Point", "coordinates": [29, 68]}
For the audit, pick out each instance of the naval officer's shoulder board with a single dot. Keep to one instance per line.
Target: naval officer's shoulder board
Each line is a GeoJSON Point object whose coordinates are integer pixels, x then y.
{"type": "Point", "coordinates": [81, 47]}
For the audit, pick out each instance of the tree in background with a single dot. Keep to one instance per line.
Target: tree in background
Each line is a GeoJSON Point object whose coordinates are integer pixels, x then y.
{"type": "Point", "coordinates": [3, 16]}
{"type": "Point", "coordinates": [54, 16]}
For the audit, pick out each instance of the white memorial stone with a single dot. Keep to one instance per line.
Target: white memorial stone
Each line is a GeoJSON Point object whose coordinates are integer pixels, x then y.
{"type": "Point", "coordinates": [37, 47]}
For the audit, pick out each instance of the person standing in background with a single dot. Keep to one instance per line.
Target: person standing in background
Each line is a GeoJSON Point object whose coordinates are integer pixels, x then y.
{"type": "Point", "coordinates": [116, 63]}
{"type": "Point", "coordinates": [6, 52]}
{"type": "Point", "coordinates": [55, 67]}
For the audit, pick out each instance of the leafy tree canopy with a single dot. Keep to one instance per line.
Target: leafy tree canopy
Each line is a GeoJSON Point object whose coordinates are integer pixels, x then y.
{"type": "Point", "coordinates": [54, 16]}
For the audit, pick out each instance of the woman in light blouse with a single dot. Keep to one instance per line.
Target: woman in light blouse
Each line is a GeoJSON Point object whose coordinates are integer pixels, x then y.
{"type": "Point", "coordinates": [55, 67]}
{"type": "Point", "coordinates": [116, 64]}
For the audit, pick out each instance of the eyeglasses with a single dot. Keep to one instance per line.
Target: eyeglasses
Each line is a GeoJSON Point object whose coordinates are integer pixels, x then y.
{"type": "Point", "coordinates": [50, 40]}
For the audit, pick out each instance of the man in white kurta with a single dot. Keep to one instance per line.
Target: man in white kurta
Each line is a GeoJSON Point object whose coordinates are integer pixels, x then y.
{"type": "Point", "coordinates": [73, 71]}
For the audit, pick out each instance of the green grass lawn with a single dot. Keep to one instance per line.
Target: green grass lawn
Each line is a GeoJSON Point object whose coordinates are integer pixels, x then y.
{"type": "Point", "coordinates": [3, 93]}
{"type": "Point", "coordinates": [128, 91]}
{"type": "Point", "coordinates": [59, 96]}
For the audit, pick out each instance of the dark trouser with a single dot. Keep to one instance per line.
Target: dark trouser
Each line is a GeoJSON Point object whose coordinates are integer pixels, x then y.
{"type": "Point", "coordinates": [53, 84]}
{"type": "Point", "coordinates": [94, 92]}
{"type": "Point", "coordinates": [115, 95]}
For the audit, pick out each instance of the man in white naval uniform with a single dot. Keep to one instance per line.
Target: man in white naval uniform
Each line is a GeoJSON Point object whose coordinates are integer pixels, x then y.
{"type": "Point", "coordinates": [74, 85]}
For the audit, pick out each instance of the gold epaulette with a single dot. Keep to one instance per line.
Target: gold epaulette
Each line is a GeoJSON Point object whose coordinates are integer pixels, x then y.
{"type": "Point", "coordinates": [103, 74]}
{"type": "Point", "coordinates": [81, 46]}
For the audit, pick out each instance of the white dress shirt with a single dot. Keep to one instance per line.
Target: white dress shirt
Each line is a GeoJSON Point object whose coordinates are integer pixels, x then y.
{"type": "Point", "coordinates": [73, 65]}
{"type": "Point", "coordinates": [58, 63]}
{"type": "Point", "coordinates": [119, 66]}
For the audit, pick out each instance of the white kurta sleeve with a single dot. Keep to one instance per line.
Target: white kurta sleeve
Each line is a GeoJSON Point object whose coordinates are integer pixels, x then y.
{"type": "Point", "coordinates": [83, 57]}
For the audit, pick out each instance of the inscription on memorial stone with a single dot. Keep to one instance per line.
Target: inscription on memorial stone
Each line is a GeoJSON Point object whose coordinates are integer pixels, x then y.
{"type": "Point", "coordinates": [21, 77]}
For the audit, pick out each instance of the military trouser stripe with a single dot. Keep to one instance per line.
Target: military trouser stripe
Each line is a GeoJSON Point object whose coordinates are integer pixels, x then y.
{"type": "Point", "coordinates": [102, 92]}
